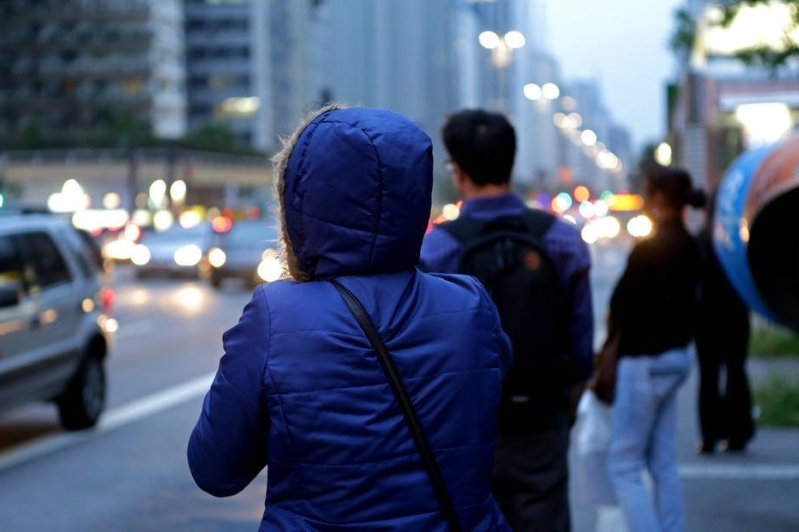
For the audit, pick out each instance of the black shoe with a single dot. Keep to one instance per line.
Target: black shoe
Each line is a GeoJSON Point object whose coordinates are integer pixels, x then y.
{"type": "Point", "coordinates": [704, 447]}
{"type": "Point", "coordinates": [736, 446]}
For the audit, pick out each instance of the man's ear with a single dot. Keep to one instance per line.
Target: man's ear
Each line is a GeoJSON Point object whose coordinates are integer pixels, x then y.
{"type": "Point", "coordinates": [458, 173]}
{"type": "Point", "coordinates": [459, 177]}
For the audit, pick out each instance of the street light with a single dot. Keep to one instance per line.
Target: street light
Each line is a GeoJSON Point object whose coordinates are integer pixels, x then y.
{"type": "Point", "coordinates": [534, 92]}
{"type": "Point", "coordinates": [501, 46]}
{"type": "Point", "coordinates": [570, 125]}
{"type": "Point", "coordinates": [501, 53]}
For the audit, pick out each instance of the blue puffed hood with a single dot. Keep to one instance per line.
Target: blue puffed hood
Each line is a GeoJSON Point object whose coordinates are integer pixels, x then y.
{"type": "Point", "coordinates": [356, 193]}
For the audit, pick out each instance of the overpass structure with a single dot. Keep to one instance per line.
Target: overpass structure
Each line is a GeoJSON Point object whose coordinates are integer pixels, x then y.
{"type": "Point", "coordinates": [212, 179]}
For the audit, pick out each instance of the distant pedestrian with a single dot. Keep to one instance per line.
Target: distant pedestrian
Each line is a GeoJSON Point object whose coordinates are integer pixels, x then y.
{"type": "Point", "coordinates": [536, 267]}
{"type": "Point", "coordinates": [722, 346]}
{"type": "Point", "coordinates": [654, 307]}
{"type": "Point", "coordinates": [300, 387]}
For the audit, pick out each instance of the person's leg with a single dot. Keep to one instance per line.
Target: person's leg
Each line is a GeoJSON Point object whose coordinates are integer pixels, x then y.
{"type": "Point", "coordinates": [631, 427]}
{"type": "Point", "coordinates": [739, 400]}
{"type": "Point", "coordinates": [709, 401]}
{"type": "Point", "coordinates": [502, 481]}
{"type": "Point", "coordinates": [531, 478]}
{"type": "Point", "coordinates": [668, 372]}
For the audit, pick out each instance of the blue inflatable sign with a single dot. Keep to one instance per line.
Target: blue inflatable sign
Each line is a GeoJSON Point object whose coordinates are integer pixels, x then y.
{"type": "Point", "coordinates": [755, 229]}
{"type": "Point", "coordinates": [730, 237]}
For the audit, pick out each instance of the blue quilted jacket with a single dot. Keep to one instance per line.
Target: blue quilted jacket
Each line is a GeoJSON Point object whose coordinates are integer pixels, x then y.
{"type": "Point", "coordinates": [299, 389]}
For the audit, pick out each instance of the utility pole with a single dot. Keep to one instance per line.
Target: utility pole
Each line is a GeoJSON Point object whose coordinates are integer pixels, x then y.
{"type": "Point", "coordinates": [132, 180]}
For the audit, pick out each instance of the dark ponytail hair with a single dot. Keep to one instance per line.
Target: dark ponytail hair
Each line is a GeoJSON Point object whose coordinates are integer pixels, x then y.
{"type": "Point", "coordinates": [676, 186]}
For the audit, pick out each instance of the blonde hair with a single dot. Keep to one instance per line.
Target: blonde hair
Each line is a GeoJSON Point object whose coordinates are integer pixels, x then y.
{"type": "Point", "coordinates": [280, 162]}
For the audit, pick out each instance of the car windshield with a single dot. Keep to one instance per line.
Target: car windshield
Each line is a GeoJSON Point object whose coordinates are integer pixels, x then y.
{"type": "Point", "coordinates": [261, 234]}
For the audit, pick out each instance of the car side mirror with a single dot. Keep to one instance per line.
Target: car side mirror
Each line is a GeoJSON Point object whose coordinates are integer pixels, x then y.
{"type": "Point", "coordinates": [10, 294]}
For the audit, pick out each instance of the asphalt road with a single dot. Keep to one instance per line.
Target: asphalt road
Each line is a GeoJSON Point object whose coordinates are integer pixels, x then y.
{"type": "Point", "coordinates": [130, 473]}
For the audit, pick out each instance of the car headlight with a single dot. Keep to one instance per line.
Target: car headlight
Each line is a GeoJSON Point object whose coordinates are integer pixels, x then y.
{"type": "Point", "coordinates": [121, 249]}
{"type": "Point", "coordinates": [270, 269]}
{"type": "Point", "coordinates": [140, 255]}
{"type": "Point", "coordinates": [189, 255]}
{"type": "Point", "coordinates": [639, 226]}
{"type": "Point", "coordinates": [216, 257]}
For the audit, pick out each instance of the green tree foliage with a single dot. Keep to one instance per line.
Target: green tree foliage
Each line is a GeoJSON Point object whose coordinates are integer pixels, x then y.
{"type": "Point", "coordinates": [682, 38]}
{"type": "Point", "coordinates": [684, 34]}
{"type": "Point", "coordinates": [764, 56]}
{"type": "Point", "coordinates": [211, 136]}
{"type": "Point", "coordinates": [121, 129]}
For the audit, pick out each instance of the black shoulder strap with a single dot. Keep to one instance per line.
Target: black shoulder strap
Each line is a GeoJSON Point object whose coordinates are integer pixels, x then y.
{"type": "Point", "coordinates": [411, 419]}
{"type": "Point", "coordinates": [538, 221]}
{"type": "Point", "coordinates": [465, 228]}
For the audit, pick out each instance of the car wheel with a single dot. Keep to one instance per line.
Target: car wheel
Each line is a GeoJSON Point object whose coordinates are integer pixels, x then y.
{"type": "Point", "coordinates": [84, 400]}
{"type": "Point", "coordinates": [216, 280]}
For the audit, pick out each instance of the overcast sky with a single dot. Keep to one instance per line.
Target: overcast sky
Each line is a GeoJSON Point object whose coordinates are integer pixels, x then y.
{"type": "Point", "coordinates": [623, 44]}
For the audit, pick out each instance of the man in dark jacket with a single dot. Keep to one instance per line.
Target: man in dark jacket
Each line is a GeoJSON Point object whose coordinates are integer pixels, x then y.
{"type": "Point", "coordinates": [531, 466]}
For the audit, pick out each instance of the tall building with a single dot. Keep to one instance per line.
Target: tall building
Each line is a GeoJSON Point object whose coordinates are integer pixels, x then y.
{"type": "Point", "coordinates": [254, 65]}
{"type": "Point", "coordinates": [504, 40]}
{"type": "Point", "coordinates": [78, 65]}
{"type": "Point", "coordinates": [397, 55]}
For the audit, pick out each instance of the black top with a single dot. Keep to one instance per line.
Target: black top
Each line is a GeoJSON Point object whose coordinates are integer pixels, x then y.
{"type": "Point", "coordinates": [655, 301]}
{"type": "Point", "coordinates": [723, 314]}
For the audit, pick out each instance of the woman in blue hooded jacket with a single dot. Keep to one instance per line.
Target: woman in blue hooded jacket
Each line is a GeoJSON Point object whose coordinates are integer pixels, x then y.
{"type": "Point", "coordinates": [299, 388]}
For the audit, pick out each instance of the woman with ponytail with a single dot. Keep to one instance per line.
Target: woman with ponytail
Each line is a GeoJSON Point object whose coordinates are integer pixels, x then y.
{"type": "Point", "coordinates": [655, 306]}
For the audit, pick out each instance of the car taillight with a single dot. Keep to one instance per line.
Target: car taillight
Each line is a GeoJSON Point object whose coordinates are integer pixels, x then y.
{"type": "Point", "coordinates": [107, 300]}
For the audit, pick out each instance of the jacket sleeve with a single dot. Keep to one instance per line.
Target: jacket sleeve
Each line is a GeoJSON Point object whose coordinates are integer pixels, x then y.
{"type": "Point", "coordinates": [582, 324]}
{"type": "Point", "coordinates": [228, 446]}
{"type": "Point", "coordinates": [581, 314]}
{"type": "Point", "coordinates": [440, 252]}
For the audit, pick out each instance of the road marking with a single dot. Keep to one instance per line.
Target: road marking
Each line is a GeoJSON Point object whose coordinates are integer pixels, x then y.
{"type": "Point", "coordinates": [155, 403]}
{"type": "Point", "coordinates": [741, 471]}
{"type": "Point", "coordinates": [112, 419]}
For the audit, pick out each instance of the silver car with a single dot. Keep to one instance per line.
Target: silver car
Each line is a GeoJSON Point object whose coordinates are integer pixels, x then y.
{"type": "Point", "coordinates": [246, 251]}
{"type": "Point", "coordinates": [174, 251]}
{"type": "Point", "coordinates": [55, 325]}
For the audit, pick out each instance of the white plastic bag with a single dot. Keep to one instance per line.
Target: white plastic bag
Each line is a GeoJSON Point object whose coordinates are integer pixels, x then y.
{"type": "Point", "coordinates": [591, 439]}
{"type": "Point", "coordinates": [593, 424]}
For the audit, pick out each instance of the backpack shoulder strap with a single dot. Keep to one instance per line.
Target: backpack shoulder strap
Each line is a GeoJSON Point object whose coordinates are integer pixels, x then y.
{"type": "Point", "coordinates": [538, 221]}
{"type": "Point", "coordinates": [464, 228]}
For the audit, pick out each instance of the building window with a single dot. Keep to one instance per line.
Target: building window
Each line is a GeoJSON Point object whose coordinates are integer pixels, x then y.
{"type": "Point", "coordinates": [133, 85]}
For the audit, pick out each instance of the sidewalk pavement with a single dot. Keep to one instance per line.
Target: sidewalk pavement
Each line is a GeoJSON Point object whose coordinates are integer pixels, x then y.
{"type": "Point", "coordinates": [772, 446]}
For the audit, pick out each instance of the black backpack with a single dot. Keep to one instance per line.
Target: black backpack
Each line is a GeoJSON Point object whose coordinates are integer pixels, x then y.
{"type": "Point", "coordinates": [508, 257]}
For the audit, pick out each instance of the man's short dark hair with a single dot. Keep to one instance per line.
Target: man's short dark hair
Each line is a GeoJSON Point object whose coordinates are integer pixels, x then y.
{"type": "Point", "coordinates": [482, 143]}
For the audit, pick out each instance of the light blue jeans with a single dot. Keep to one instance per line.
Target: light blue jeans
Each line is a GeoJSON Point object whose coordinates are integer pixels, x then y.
{"type": "Point", "coordinates": [643, 435]}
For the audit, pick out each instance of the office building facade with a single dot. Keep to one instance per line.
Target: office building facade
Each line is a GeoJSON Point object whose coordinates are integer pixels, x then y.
{"type": "Point", "coordinates": [254, 66]}
{"type": "Point", "coordinates": [79, 65]}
